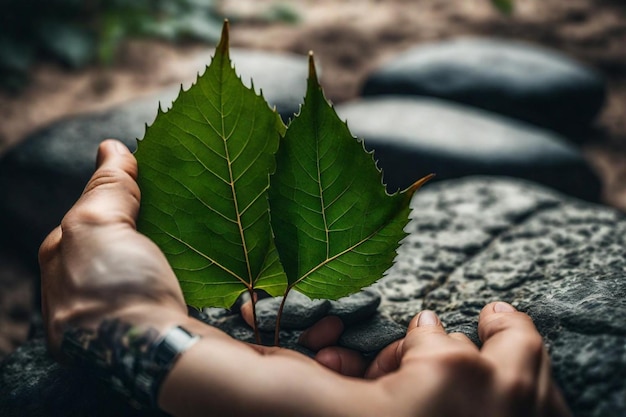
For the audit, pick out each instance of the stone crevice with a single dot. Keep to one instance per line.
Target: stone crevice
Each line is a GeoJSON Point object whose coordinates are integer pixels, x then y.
{"type": "Point", "coordinates": [519, 220]}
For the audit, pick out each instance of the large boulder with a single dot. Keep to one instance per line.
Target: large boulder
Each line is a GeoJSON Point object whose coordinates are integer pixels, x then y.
{"type": "Point", "coordinates": [414, 136]}
{"type": "Point", "coordinates": [560, 260]}
{"type": "Point", "coordinates": [512, 78]}
{"type": "Point", "coordinates": [471, 241]}
{"type": "Point", "coordinates": [43, 176]}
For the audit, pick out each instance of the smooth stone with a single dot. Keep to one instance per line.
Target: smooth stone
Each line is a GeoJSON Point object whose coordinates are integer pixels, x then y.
{"type": "Point", "coordinates": [356, 307]}
{"type": "Point", "coordinates": [520, 80]}
{"type": "Point", "coordinates": [44, 175]}
{"type": "Point", "coordinates": [372, 335]}
{"type": "Point", "coordinates": [299, 312]}
{"type": "Point", "coordinates": [233, 324]}
{"type": "Point", "coordinates": [281, 77]}
{"type": "Point", "coordinates": [412, 137]}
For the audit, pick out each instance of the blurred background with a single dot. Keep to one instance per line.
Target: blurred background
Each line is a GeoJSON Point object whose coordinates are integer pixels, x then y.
{"type": "Point", "coordinates": [62, 58]}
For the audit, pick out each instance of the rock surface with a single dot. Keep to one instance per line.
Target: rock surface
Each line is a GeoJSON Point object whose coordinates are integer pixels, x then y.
{"type": "Point", "coordinates": [511, 78]}
{"type": "Point", "coordinates": [356, 307]}
{"type": "Point", "coordinates": [412, 137]}
{"type": "Point", "coordinates": [559, 260]}
{"type": "Point", "coordinates": [44, 175]}
{"type": "Point", "coordinates": [31, 384]}
{"type": "Point", "coordinates": [299, 312]}
{"type": "Point", "coordinates": [471, 241]}
{"type": "Point", "coordinates": [370, 336]}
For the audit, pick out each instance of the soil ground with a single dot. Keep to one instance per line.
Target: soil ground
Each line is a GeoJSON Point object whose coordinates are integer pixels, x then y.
{"type": "Point", "coordinates": [349, 38]}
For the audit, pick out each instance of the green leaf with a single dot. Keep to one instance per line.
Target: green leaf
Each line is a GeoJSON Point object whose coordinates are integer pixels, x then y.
{"type": "Point", "coordinates": [204, 172]}
{"type": "Point", "coordinates": [335, 226]}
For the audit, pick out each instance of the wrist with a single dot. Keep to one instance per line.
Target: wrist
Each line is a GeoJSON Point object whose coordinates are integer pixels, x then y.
{"type": "Point", "coordinates": [128, 354]}
{"type": "Point", "coordinates": [89, 314]}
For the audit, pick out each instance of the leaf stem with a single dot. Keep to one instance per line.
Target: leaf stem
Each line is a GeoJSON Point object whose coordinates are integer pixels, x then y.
{"type": "Point", "coordinates": [255, 327]}
{"type": "Point", "coordinates": [279, 316]}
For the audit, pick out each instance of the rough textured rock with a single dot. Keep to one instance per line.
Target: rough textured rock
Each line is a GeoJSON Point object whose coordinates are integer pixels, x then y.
{"type": "Point", "coordinates": [511, 78]}
{"type": "Point", "coordinates": [31, 384]}
{"type": "Point", "coordinates": [44, 175]}
{"type": "Point", "coordinates": [415, 136]}
{"type": "Point", "coordinates": [560, 260]}
{"type": "Point", "coordinates": [471, 241]}
{"type": "Point", "coordinates": [372, 335]}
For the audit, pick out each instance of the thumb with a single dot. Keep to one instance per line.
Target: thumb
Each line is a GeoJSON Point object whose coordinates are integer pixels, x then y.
{"type": "Point", "coordinates": [112, 194]}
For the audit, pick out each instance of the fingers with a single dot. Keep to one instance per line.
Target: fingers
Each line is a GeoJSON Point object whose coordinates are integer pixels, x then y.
{"type": "Point", "coordinates": [461, 337]}
{"type": "Point", "coordinates": [549, 394]}
{"type": "Point", "coordinates": [322, 337]}
{"type": "Point", "coordinates": [322, 334]}
{"type": "Point", "coordinates": [387, 361]}
{"type": "Point", "coordinates": [326, 332]}
{"type": "Point", "coordinates": [425, 333]}
{"type": "Point", "coordinates": [246, 309]}
{"type": "Point", "coordinates": [556, 403]}
{"type": "Point", "coordinates": [50, 246]}
{"type": "Point", "coordinates": [515, 348]}
{"type": "Point", "coordinates": [510, 340]}
{"type": "Point", "coordinates": [342, 360]}
{"type": "Point", "coordinates": [425, 337]}
{"type": "Point", "coordinates": [111, 195]}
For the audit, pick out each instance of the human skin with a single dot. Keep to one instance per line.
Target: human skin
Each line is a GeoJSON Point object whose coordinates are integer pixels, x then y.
{"type": "Point", "coordinates": [96, 266]}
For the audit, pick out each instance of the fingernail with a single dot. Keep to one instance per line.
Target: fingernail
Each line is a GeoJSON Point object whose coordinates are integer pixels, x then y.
{"type": "Point", "coordinates": [121, 148]}
{"type": "Point", "coordinates": [501, 307]}
{"type": "Point", "coordinates": [427, 318]}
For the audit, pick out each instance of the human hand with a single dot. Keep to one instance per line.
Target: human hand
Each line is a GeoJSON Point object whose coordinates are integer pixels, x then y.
{"type": "Point", "coordinates": [432, 373]}
{"type": "Point", "coordinates": [96, 264]}
{"type": "Point", "coordinates": [447, 375]}
{"type": "Point", "coordinates": [509, 376]}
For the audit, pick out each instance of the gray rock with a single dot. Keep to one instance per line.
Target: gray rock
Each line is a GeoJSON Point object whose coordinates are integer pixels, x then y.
{"type": "Point", "coordinates": [479, 210]}
{"type": "Point", "coordinates": [300, 312]}
{"type": "Point", "coordinates": [558, 259]}
{"type": "Point", "coordinates": [356, 307]}
{"type": "Point", "coordinates": [372, 335]}
{"type": "Point", "coordinates": [43, 176]}
{"type": "Point", "coordinates": [32, 384]}
{"type": "Point", "coordinates": [234, 325]}
{"type": "Point", "coordinates": [412, 137]}
{"type": "Point", "coordinates": [511, 78]}
{"type": "Point", "coordinates": [281, 77]}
